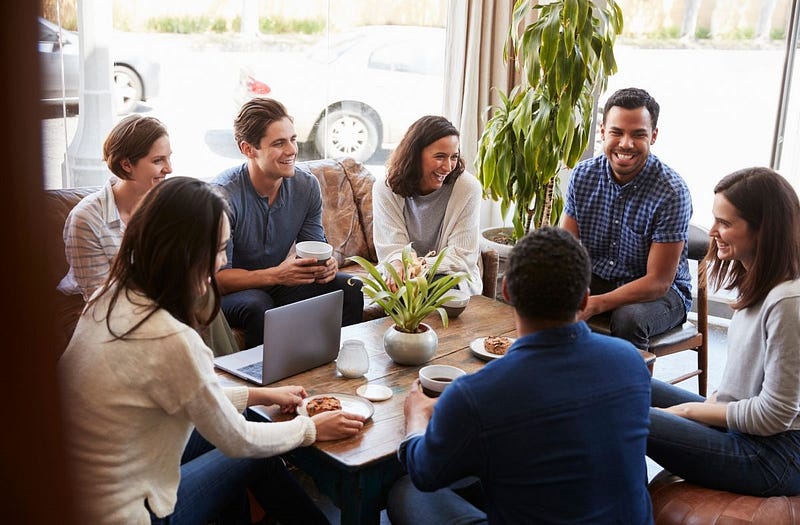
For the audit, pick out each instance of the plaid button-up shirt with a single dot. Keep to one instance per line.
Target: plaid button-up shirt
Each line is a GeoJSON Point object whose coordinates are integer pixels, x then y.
{"type": "Point", "coordinates": [617, 224]}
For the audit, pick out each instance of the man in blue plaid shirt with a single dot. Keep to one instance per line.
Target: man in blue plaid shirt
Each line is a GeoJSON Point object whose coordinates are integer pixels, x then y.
{"type": "Point", "coordinates": [631, 212]}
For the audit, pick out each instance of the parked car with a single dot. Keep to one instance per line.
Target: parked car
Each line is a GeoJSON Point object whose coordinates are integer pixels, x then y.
{"type": "Point", "coordinates": [136, 78]}
{"type": "Point", "coordinates": [357, 93]}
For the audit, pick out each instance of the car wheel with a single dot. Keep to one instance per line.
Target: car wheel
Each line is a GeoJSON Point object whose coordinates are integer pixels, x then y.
{"type": "Point", "coordinates": [128, 89]}
{"type": "Point", "coordinates": [346, 133]}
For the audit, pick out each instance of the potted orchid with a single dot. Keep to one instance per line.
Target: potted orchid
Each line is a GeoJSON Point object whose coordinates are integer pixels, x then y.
{"type": "Point", "coordinates": [408, 297]}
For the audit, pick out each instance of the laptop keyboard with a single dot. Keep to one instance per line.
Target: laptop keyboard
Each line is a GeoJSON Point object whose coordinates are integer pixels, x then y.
{"type": "Point", "coordinates": [254, 370]}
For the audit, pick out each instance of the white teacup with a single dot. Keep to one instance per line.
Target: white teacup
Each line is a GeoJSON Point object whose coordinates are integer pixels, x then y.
{"type": "Point", "coordinates": [435, 378]}
{"type": "Point", "coordinates": [321, 251]}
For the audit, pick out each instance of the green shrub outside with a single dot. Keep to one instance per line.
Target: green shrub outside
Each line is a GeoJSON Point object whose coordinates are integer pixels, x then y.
{"type": "Point", "coordinates": [202, 24]}
{"type": "Point", "coordinates": [666, 33]}
{"type": "Point", "coordinates": [276, 25]}
{"type": "Point", "coordinates": [219, 25]}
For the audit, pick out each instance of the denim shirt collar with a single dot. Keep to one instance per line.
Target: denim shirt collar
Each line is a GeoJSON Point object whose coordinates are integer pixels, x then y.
{"type": "Point", "coordinates": [553, 336]}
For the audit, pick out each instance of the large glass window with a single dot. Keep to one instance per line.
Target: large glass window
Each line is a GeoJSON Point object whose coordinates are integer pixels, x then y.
{"type": "Point", "coordinates": [353, 79]}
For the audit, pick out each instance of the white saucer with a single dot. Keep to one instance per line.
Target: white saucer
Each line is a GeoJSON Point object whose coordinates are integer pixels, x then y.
{"type": "Point", "coordinates": [374, 392]}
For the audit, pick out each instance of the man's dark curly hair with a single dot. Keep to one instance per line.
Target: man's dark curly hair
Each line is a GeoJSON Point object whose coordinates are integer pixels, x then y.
{"type": "Point", "coordinates": [633, 98]}
{"type": "Point", "coordinates": [548, 274]}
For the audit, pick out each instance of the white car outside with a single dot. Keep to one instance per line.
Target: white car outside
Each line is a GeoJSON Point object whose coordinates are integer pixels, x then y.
{"type": "Point", "coordinates": [357, 93]}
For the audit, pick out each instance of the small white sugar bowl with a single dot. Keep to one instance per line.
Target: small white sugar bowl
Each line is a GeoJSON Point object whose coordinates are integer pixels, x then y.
{"type": "Point", "coordinates": [353, 360]}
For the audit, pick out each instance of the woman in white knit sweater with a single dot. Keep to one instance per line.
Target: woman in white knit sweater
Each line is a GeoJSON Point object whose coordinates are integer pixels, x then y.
{"type": "Point", "coordinates": [136, 378]}
{"type": "Point", "coordinates": [745, 437]}
{"type": "Point", "coordinates": [430, 201]}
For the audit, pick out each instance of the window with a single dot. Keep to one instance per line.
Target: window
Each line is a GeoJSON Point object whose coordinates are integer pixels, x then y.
{"type": "Point", "coordinates": [321, 68]}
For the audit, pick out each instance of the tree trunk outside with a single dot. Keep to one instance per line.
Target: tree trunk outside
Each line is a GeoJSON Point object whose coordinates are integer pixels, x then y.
{"type": "Point", "coordinates": [690, 14]}
{"type": "Point", "coordinates": [764, 25]}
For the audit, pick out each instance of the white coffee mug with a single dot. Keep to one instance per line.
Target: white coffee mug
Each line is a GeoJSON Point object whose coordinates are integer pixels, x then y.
{"type": "Point", "coordinates": [321, 251]}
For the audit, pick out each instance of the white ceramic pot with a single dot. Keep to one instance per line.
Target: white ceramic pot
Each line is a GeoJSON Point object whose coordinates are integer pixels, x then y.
{"type": "Point", "coordinates": [502, 249]}
{"type": "Point", "coordinates": [410, 349]}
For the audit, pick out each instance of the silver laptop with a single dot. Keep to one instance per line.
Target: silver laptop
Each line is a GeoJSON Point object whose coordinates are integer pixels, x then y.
{"type": "Point", "coordinates": [297, 337]}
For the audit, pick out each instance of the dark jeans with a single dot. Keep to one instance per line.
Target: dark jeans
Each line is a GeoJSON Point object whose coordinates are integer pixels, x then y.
{"type": "Point", "coordinates": [638, 322]}
{"type": "Point", "coordinates": [719, 458]}
{"type": "Point", "coordinates": [462, 502]}
{"type": "Point", "coordinates": [213, 488]}
{"type": "Point", "coordinates": [245, 309]}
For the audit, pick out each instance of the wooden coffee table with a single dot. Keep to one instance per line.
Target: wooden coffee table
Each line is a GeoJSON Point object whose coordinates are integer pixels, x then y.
{"type": "Point", "coordinates": [357, 473]}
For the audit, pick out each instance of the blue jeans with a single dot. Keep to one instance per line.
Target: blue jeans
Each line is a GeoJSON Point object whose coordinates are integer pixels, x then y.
{"type": "Point", "coordinates": [461, 503]}
{"type": "Point", "coordinates": [213, 488]}
{"type": "Point", "coordinates": [638, 322]}
{"type": "Point", "coordinates": [245, 309]}
{"type": "Point", "coordinates": [719, 458]}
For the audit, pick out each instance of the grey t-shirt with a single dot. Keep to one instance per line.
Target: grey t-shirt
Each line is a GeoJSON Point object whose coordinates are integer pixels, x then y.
{"type": "Point", "coordinates": [424, 215]}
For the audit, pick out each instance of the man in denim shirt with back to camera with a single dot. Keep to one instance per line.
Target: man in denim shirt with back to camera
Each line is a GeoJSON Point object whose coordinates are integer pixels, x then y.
{"type": "Point", "coordinates": [631, 212]}
{"type": "Point", "coordinates": [553, 432]}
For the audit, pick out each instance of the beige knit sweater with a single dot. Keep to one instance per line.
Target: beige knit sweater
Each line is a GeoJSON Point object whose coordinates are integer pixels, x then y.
{"type": "Point", "coordinates": [131, 405]}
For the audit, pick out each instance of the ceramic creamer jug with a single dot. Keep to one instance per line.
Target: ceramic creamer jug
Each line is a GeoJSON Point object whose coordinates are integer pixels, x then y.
{"type": "Point", "coordinates": [353, 360]}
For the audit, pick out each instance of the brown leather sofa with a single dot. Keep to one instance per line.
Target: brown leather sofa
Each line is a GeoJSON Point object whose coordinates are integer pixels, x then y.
{"type": "Point", "coordinates": [347, 218]}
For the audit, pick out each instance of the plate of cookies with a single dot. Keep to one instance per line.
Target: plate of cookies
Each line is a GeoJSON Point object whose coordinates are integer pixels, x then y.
{"type": "Point", "coordinates": [491, 347]}
{"type": "Point", "coordinates": [336, 401]}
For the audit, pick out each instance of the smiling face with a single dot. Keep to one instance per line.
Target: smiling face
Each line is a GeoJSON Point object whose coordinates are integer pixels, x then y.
{"type": "Point", "coordinates": [438, 159]}
{"type": "Point", "coordinates": [277, 151]}
{"type": "Point", "coordinates": [736, 239]}
{"type": "Point", "coordinates": [153, 167]}
{"type": "Point", "coordinates": [627, 136]}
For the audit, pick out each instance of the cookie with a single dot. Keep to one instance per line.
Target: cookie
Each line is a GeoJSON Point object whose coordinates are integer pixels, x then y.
{"type": "Point", "coordinates": [322, 404]}
{"type": "Point", "coordinates": [496, 344]}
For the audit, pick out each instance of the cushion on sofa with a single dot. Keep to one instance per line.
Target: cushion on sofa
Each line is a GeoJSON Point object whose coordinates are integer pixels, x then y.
{"type": "Point", "coordinates": [346, 206]}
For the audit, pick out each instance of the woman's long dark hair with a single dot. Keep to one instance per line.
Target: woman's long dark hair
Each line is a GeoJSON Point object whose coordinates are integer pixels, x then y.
{"type": "Point", "coordinates": [771, 208]}
{"type": "Point", "coordinates": [169, 251]}
{"type": "Point", "coordinates": [404, 168]}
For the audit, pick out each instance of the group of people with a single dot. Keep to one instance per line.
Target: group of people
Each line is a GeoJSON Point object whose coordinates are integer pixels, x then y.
{"type": "Point", "coordinates": [556, 431]}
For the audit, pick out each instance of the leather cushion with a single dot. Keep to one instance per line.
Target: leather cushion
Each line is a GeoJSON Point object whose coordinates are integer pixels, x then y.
{"type": "Point", "coordinates": [347, 207]}
{"type": "Point", "coordinates": [676, 501]}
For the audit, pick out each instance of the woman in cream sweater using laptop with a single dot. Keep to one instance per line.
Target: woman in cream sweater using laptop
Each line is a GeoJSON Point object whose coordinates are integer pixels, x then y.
{"type": "Point", "coordinates": [136, 378]}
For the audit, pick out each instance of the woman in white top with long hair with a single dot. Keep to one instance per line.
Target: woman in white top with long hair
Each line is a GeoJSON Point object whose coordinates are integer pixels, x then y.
{"type": "Point", "coordinates": [430, 201]}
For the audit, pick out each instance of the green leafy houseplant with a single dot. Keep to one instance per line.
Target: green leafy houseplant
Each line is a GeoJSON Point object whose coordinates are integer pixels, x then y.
{"type": "Point", "coordinates": [418, 294]}
{"type": "Point", "coordinates": [543, 125]}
